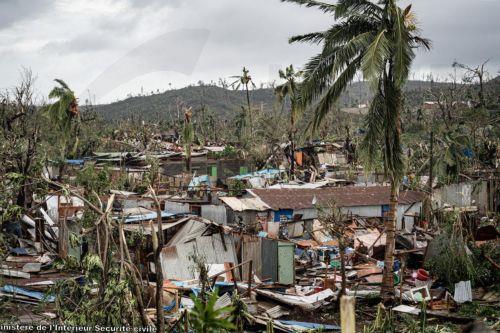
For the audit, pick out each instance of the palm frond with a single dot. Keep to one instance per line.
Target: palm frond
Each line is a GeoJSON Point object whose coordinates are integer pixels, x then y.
{"type": "Point", "coordinates": [403, 52]}
{"type": "Point", "coordinates": [374, 61]}
{"type": "Point", "coordinates": [317, 76]}
{"type": "Point", "coordinates": [346, 8]}
{"type": "Point", "coordinates": [350, 50]}
{"type": "Point", "coordinates": [323, 6]}
{"type": "Point", "coordinates": [57, 92]}
{"type": "Point", "coordinates": [331, 96]}
{"type": "Point", "coordinates": [422, 42]}
{"type": "Point", "coordinates": [313, 37]}
{"type": "Point", "coordinates": [393, 152]}
{"type": "Point", "coordinates": [62, 83]}
{"type": "Point", "coordinates": [346, 30]}
{"type": "Point", "coordinates": [321, 69]}
{"type": "Point", "coordinates": [374, 125]}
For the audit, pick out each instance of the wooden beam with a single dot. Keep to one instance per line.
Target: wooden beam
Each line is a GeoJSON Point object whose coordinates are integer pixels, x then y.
{"type": "Point", "coordinates": [347, 319]}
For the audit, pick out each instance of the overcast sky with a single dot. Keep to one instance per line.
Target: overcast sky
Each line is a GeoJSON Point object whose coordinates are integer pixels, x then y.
{"type": "Point", "coordinates": [113, 47]}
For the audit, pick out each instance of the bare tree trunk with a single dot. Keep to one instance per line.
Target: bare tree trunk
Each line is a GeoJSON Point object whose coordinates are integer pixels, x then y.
{"type": "Point", "coordinates": [63, 236]}
{"type": "Point", "coordinates": [387, 291]}
{"type": "Point", "coordinates": [160, 322]}
{"type": "Point", "coordinates": [250, 118]}
{"type": "Point", "coordinates": [188, 158]}
{"type": "Point", "coordinates": [431, 162]}
{"type": "Point", "coordinates": [342, 269]}
{"type": "Point", "coordinates": [136, 282]}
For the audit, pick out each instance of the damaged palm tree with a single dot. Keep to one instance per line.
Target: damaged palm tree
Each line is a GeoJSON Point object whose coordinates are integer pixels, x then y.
{"type": "Point", "coordinates": [379, 39]}
{"type": "Point", "coordinates": [290, 90]}
{"type": "Point", "coordinates": [245, 80]}
{"type": "Point", "coordinates": [64, 113]}
{"type": "Point", "coordinates": [188, 137]}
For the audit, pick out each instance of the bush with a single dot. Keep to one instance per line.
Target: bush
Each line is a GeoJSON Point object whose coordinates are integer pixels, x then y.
{"type": "Point", "coordinates": [451, 263]}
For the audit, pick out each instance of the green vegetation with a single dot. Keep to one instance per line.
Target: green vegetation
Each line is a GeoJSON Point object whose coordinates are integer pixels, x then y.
{"type": "Point", "coordinates": [205, 318]}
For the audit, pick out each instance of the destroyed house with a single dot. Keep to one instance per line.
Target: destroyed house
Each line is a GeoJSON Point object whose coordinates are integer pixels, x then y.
{"type": "Point", "coordinates": [221, 247]}
{"type": "Point", "coordinates": [301, 205]}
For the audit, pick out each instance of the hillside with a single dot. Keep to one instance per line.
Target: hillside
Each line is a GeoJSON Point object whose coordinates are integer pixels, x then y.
{"type": "Point", "coordinates": [227, 103]}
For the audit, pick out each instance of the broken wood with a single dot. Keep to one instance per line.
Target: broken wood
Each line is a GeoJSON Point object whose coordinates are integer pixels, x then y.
{"type": "Point", "coordinates": [14, 273]}
{"type": "Point", "coordinates": [347, 320]}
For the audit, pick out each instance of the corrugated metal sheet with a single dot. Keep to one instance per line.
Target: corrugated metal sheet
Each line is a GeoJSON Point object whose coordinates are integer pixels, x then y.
{"type": "Point", "coordinates": [214, 213]}
{"type": "Point", "coordinates": [176, 207]}
{"type": "Point", "coordinates": [473, 193]}
{"type": "Point", "coordinates": [269, 259]}
{"type": "Point", "coordinates": [145, 229]}
{"type": "Point", "coordinates": [286, 268]}
{"type": "Point", "coordinates": [243, 204]}
{"type": "Point", "coordinates": [307, 214]}
{"type": "Point", "coordinates": [348, 196]}
{"type": "Point", "coordinates": [192, 239]}
{"type": "Point", "coordinates": [463, 292]}
{"type": "Point", "coordinates": [251, 249]}
{"type": "Point", "coordinates": [295, 229]}
{"type": "Point", "coordinates": [146, 217]}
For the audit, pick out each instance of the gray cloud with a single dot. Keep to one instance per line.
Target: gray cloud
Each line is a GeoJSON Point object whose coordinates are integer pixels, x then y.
{"type": "Point", "coordinates": [173, 51]}
{"type": "Point", "coordinates": [87, 36]}
{"type": "Point", "coordinates": [15, 11]}
{"type": "Point", "coordinates": [80, 44]}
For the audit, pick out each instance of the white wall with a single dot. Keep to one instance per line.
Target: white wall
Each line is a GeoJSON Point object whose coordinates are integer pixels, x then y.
{"type": "Point", "coordinates": [409, 220]}
{"type": "Point", "coordinates": [365, 211]}
{"type": "Point", "coordinates": [376, 211]}
{"type": "Point", "coordinates": [473, 193]}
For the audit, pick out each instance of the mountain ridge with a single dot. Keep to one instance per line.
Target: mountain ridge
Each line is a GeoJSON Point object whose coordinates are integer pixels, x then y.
{"type": "Point", "coordinates": [227, 103]}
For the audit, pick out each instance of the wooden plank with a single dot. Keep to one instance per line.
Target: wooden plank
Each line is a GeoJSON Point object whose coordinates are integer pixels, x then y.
{"type": "Point", "coordinates": [32, 267]}
{"type": "Point", "coordinates": [374, 279]}
{"type": "Point", "coordinates": [369, 271]}
{"type": "Point", "coordinates": [347, 320]}
{"type": "Point", "coordinates": [14, 273]}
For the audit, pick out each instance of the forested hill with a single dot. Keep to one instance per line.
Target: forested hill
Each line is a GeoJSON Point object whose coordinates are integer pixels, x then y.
{"type": "Point", "coordinates": [228, 102]}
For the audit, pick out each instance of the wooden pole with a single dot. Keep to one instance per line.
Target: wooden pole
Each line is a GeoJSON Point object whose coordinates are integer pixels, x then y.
{"type": "Point", "coordinates": [401, 279]}
{"type": "Point", "coordinates": [186, 321]}
{"type": "Point", "coordinates": [63, 236]}
{"type": "Point", "coordinates": [431, 162]}
{"type": "Point", "coordinates": [160, 317]}
{"type": "Point", "coordinates": [39, 233]}
{"type": "Point", "coordinates": [250, 279]}
{"type": "Point", "coordinates": [347, 320]}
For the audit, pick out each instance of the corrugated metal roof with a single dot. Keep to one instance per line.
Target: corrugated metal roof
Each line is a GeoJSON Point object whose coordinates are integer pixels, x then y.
{"type": "Point", "coordinates": [146, 229]}
{"type": "Point", "coordinates": [349, 196]}
{"type": "Point", "coordinates": [146, 216]}
{"type": "Point", "coordinates": [242, 204]}
{"type": "Point", "coordinates": [193, 238]}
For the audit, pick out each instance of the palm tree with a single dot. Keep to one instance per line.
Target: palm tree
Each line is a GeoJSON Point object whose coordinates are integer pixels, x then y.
{"type": "Point", "coordinates": [290, 89]}
{"type": "Point", "coordinates": [65, 108]}
{"type": "Point", "coordinates": [64, 113]}
{"type": "Point", "coordinates": [379, 39]}
{"type": "Point", "coordinates": [244, 81]}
